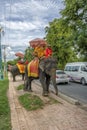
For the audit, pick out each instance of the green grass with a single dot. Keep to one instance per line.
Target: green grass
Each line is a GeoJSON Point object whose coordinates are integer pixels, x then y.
{"type": "Point", "coordinates": [20, 87]}
{"type": "Point", "coordinates": [5, 120]}
{"type": "Point", "coordinates": [31, 102]}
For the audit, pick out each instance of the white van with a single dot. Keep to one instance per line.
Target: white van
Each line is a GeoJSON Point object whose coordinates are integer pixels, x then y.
{"type": "Point", "coordinates": [77, 71]}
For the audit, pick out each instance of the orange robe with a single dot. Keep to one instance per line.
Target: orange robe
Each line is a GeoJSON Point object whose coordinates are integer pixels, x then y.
{"type": "Point", "coordinates": [39, 51]}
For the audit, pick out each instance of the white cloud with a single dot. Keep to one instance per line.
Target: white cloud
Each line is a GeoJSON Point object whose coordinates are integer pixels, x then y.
{"type": "Point", "coordinates": [19, 25]}
{"type": "Point", "coordinates": [25, 20]}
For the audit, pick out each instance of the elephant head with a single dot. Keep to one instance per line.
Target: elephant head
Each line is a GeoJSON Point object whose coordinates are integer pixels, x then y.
{"type": "Point", "coordinates": [50, 66]}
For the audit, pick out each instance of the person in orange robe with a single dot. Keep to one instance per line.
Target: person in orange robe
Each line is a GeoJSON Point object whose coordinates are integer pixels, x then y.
{"type": "Point", "coordinates": [48, 51]}
{"type": "Point", "coordinates": [39, 50]}
{"type": "Point", "coordinates": [43, 52]}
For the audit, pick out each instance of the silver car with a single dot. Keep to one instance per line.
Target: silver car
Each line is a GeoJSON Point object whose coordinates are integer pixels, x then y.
{"type": "Point", "coordinates": [61, 77]}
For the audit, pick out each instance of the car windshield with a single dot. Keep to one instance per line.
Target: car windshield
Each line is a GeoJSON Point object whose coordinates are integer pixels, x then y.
{"type": "Point", "coordinates": [84, 68]}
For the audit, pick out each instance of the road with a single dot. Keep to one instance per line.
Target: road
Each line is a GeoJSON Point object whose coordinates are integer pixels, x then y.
{"type": "Point", "coordinates": [74, 90]}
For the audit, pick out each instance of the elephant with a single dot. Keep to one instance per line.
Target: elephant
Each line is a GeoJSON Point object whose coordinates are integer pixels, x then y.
{"type": "Point", "coordinates": [45, 76]}
{"type": "Point", "coordinates": [15, 71]}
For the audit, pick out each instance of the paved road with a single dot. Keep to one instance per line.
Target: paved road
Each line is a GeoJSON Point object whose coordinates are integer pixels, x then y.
{"type": "Point", "coordinates": [74, 90]}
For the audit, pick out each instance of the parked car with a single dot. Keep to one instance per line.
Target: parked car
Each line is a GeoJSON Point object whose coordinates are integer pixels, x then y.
{"type": "Point", "coordinates": [61, 77]}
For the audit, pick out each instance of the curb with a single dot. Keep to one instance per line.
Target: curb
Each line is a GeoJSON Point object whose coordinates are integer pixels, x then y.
{"type": "Point", "coordinates": [63, 96]}
{"type": "Point", "coordinates": [69, 99]}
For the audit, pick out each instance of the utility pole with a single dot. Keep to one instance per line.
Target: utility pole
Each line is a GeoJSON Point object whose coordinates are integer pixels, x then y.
{"type": "Point", "coordinates": [1, 72]}
{"type": "Point", "coordinates": [4, 58]}
{"type": "Point", "coordinates": [5, 70]}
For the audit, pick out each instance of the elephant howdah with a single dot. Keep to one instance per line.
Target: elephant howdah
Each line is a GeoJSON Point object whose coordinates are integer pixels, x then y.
{"type": "Point", "coordinates": [45, 75]}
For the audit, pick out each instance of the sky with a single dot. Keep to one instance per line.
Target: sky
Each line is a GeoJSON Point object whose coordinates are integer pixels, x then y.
{"type": "Point", "coordinates": [25, 20]}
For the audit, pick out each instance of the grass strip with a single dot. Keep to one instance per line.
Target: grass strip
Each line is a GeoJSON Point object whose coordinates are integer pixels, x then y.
{"type": "Point", "coordinates": [31, 102]}
{"type": "Point", "coordinates": [5, 118]}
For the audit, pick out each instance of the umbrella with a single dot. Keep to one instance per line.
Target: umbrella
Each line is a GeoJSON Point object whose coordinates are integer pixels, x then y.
{"type": "Point", "coordinates": [37, 41]}
{"type": "Point", "coordinates": [19, 54]}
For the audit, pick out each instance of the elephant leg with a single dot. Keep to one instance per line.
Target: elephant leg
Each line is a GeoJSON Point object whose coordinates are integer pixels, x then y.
{"type": "Point", "coordinates": [26, 84]}
{"type": "Point", "coordinates": [29, 84]}
{"type": "Point", "coordinates": [14, 78]}
{"type": "Point", "coordinates": [55, 86]}
{"type": "Point", "coordinates": [23, 76]}
{"type": "Point", "coordinates": [42, 77]}
{"type": "Point", "coordinates": [47, 82]}
{"type": "Point", "coordinates": [56, 89]}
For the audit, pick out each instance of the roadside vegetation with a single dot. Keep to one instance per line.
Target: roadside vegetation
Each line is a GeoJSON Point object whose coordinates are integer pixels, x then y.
{"type": "Point", "coordinates": [5, 118]}
{"type": "Point", "coordinates": [31, 102]}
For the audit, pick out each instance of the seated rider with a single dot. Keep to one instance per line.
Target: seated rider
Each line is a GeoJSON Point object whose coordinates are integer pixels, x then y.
{"type": "Point", "coordinates": [48, 51]}
{"type": "Point", "coordinates": [42, 52]}
{"type": "Point", "coordinates": [39, 51]}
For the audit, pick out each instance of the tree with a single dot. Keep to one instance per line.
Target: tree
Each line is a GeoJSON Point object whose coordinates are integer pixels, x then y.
{"type": "Point", "coordinates": [68, 34]}
{"type": "Point", "coordinates": [13, 62]}
{"type": "Point", "coordinates": [75, 15]}
{"type": "Point", "coordinates": [59, 36]}
{"type": "Point", "coordinates": [28, 54]}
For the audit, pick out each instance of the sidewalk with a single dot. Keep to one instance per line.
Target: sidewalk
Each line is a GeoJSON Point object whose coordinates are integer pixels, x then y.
{"type": "Point", "coordinates": [61, 116]}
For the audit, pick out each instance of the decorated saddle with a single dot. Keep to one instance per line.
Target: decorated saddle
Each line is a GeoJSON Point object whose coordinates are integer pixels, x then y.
{"type": "Point", "coordinates": [33, 68]}
{"type": "Point", "coordinates": [21, 67]}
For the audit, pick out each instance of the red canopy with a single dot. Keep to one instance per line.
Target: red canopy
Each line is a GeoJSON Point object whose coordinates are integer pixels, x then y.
{"type": "Point", "coordinates": [37, 41]}
{"type": "Point", "coordinates": [19, 54]}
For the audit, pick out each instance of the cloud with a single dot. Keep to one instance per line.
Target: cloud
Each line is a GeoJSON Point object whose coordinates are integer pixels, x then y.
{"type": "Point", "coordinates": [22, 26]}
{"type": "Point", "coordinates": [23, 21]}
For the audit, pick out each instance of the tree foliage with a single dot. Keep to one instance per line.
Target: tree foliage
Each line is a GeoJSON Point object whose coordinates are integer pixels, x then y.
{"type": "Point", "coordinates": [13, 62]}
{"type": "Point", "coordinates": [59, 36]}
{"type": "Point", "coordinates": [68, 34]}
{"type": "Point", "coordinates": [28, 54]}
{"type": "Point", "coordinates": [75, 14]}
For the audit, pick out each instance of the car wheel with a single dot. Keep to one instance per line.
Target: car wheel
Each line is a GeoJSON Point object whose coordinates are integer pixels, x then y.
{"type": "Point", "coordinates": [83, 81]}
{"type": "Point", "coordinates": [66, 82]}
